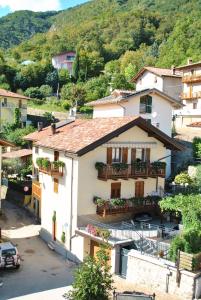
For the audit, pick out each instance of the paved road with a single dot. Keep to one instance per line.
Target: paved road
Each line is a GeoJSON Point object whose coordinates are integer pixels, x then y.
{"type": "Point", "coordinates": [41, 269]}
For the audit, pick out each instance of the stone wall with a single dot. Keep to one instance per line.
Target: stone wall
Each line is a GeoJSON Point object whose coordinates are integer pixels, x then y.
{"type": "Point", "coordinates": [157, 275]}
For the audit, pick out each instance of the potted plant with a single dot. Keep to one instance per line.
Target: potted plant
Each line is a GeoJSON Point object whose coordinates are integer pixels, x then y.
{"type": "Point", "coordinates": [120, 166]}
{"type": "Point", "coordinates": [46, 163]}
{"type": "Point", "coordinates": [39, 162]}
{"type": "Point", "coordinates": [99, 165]}
{"type": "Point", "coordinates": [118, 202]}
{"type": "Point", "coordinates": [63, 237]}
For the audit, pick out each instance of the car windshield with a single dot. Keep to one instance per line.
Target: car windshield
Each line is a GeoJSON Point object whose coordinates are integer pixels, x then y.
{"type": "Point", "coordinates": [8, 252]}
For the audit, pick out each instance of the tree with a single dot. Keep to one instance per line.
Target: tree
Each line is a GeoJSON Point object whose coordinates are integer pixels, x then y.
{"type": "Point", "coordinates": [93, 280]}
{"type": "Point", "coordinates": [64, 77]}
{"type": "Point", "coordinates": [76, 66]}
{"type": "Point", "coordinates": [119, 82]}
{"type": "Point", "coordinates": [34, 92]}
{"type": "Point", "coordinates": [74, 93]}
{"type": "Point", "coordinates": [188, 205]}
{"type": "Point", "coordinates": [52, 79]}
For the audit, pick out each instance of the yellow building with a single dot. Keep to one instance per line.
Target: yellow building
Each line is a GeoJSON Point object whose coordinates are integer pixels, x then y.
{"type": "Point", "coordinates": [8, 103]}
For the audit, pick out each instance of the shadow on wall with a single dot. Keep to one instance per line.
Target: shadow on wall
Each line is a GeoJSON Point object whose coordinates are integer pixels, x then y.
{"type": "Point", "coordinates": [181, 159]}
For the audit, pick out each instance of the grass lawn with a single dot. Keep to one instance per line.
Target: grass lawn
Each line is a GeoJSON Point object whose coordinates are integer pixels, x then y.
{"type": "Point", "coordinates": [47, 107]}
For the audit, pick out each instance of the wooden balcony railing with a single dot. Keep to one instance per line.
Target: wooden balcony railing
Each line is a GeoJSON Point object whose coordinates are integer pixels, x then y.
{"type": "Point", "coordinates": [52, 170]}
{"type": "Point", "coordinates": [190, 96]}
{"type": "Point", "coordinates": [191, 79]}
{"type": "Point", "coordinates": [36, 190]}
{"type": "Point", "coordinates": [142, 170]}
{"type": "Point", "coordinates": [137, 206]}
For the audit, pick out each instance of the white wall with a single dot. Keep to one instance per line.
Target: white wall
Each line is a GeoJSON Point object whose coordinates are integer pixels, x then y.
{"type": "Point", "coordinates": [149, 80]}
{"type": "Point", "coordinates": [106, 111]}
{"type": "Point", "coordinates": [172, 86]}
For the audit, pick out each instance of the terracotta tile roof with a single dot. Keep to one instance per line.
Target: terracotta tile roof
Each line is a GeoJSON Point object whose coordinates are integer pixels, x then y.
{"type": "Point", "coordinates": [4, 143]}
{"type": "Point", "coordinates": [157, 71]}
{"type": "Point", "coordinates": [115, 98]}
{"type": "Point", "coordinates": [82, 136]}
{"type": "Point", "coordinates": [195, 124]}
{"type": "Point", "coordinates": [5, 93]}
{"type": "Point", "coordinates": [17, 154]}
{"type": "Point", "coordinates": [189, 66]}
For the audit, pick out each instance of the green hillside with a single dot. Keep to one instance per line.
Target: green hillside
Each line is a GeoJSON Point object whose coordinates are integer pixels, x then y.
{"type": "Point", "coordinates": [113, 40]}
{"type": "Point", "coordinates": [22, 25]}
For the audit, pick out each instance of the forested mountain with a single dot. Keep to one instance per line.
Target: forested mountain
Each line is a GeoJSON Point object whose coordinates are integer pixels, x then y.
{"type": "Point", "coordinates": [22, 25]}
{"type": "Point", "coordinates": [113, 39]}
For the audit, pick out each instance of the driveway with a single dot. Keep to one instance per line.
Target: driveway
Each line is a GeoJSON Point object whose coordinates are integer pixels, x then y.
{"type": "Point", "coordinates": [41, 269]}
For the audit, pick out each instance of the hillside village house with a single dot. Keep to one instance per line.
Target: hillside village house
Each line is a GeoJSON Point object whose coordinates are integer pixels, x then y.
{"type": "Point", "coordinates": [64, 61]}
{"type": "Point", "coordinates": [8, 103]}
{"type": "Point", "coordinates": [78, 161]}
{"type": "Point", "coordinates": [164, 80]}
{"type": "Point", "coordinates": [191, 95]}
{"type": "Point", "coordinates": [153, 105]}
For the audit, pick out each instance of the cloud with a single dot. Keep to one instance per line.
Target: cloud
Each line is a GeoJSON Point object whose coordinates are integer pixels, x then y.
{"type": "Point", "coordinates": [35, 5]}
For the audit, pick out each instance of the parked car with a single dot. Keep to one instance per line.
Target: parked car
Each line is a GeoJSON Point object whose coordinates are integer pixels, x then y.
{"type": "Point", "coordinates": [9, 256]}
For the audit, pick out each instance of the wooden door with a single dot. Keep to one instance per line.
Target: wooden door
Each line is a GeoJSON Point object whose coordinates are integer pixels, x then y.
{"type": "Point", "coordinates": [139, 189]}
{"type": "Point", "coordinates": [95, 247]}
{"type": "Point", "coordinates": [115, 190]}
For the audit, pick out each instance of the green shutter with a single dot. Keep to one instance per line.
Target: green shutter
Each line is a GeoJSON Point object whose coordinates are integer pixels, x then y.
{"type": "Point", "coordinates": [149, 104]}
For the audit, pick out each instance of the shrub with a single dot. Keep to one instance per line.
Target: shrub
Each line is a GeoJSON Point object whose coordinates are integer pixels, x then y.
{"type": "Point", "coordinates": [183, 178]}
{"type": "Point", "coordinates": [197, 147]}
{"type": "Point", "coordinates": [63, 237]}
{"type": "Point", "coordinates": [39, 162]}
{"type": "Point", "coordinates": [178, 243]}
{"type": "Point", "coordinates": [66, 104]}
{"type": "Point", "coordinates": [86, 110]}
{"type": "Point", "coordinates": [34, 92]}
{"type": "Point", "coordinates": [118, 202]}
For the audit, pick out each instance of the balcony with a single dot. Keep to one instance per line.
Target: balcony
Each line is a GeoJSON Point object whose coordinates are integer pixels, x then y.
{"type": "Point", "coordinates": [191, 79]}
{"type": "Point", "coordinates": [54, 169]}
{"type": "Point", "coordinates": [126, 171]}
{"type": "Point", "coordinates": [133, 205]}
{"type": "Point", "coordinates": [190, 96]}
{"type": "Point", "coordinates": [36, 190]}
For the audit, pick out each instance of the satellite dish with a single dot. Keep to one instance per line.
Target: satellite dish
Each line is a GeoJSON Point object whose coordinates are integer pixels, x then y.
{"type": "Point", "coordinates": [154, 114]}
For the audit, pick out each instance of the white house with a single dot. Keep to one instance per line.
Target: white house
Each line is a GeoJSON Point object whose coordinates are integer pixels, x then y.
{"type": "Point", "coordinates": [191, 94]}
{"type": "Point", "coordinates": [164, 80]}
{"type": "Point", "coordinates": [9, 102]}
{"type": "Point", "coordinates": [78, 162]}
{"type": "Point", "coordinates": [153, 105]}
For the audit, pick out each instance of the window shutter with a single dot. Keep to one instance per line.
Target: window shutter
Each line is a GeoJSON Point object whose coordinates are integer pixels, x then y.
{"type": "Point", "coordinates": [56, 185]}
{"type": "Point", "coordinates": [109, 156]}
{"type": "Point", "coordinates": [133, 154]}
{"type": "Point", "coordinates": [125, 155]}
{"type": "Point", "coordinates": [148, 151]}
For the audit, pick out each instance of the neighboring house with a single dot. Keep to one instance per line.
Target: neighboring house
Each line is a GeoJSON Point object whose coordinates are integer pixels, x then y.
{"type": "Point", "coordinates": [108, 158]}
{"type": "Point", "coordinates": [164, 80]}
{"type": "Point", "coordinates": [191, 95]}
{"type": "Point", "coordinates": [23, 154]}
{"type": "Point", "coordinates": [153, 105]}
{"type": "Point", "coordinates": [64, 61]}
{"type": "Point", "coordinates": [8, 103]}
{"type": "Point", "coordinates": [3, 144]}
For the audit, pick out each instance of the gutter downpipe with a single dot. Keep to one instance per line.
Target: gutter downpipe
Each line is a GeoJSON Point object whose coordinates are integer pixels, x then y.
{"type": "Point", "coordinates": [71, 204]}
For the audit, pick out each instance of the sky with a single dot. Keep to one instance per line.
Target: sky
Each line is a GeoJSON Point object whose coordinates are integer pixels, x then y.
{"type": "Point", "coordinates": [8, 6]}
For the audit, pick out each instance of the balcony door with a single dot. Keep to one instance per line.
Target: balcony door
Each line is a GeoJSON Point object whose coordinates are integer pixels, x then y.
{"type": "Point", "coordinates": [139, 189]}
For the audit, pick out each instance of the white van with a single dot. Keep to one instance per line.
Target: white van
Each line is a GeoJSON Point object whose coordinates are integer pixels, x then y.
{"type": "Point", "coordinates": [9, 256]}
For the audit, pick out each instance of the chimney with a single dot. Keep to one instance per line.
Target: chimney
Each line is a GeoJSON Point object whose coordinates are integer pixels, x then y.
{"type": "Point", "coordinates": [189, 61]}
{"type": "Point", "coordinates": [53, 128]}
{"type": "Point", "coordinates": [173, 69]}
{"type": "Point", "coordinates": [40, 126]}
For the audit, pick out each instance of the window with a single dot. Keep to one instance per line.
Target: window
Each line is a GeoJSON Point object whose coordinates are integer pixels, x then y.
{"type": "Point", "coordinates": [36, 150]}
{"type": "Point", "coordinates": [5, 102]}
{"type": "Point", "coordinates": [116, 190]}
{"type": "Point", "coordinates": [140, 154]}
{"type": "Point", "coordinates": [20, 103]}
{"type": "Point", "coordinates": [194, 105]}
{"type": "Point", "coordinates": [56, 185]}
{"type": "Point", "coordinates": [70, 57]}
{"type": "Point", "coordinates": [56, 155]}
{"type": "Point", "coordinates": [146, 104]}
{"type": "Point", "coordinates": [116, 155]}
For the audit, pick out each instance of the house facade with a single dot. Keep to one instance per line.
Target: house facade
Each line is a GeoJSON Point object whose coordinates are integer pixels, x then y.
{"type": "Point", "coordinates": [64, 61]}
{"type": "Point", "coordinates": [85, 160]}
{"type": "Point", "coordinates": [9, 102]}
{"type": "Point", "coordinates": [153, 105]}
{"type": "Point", "coordinates": [164, 80]}
{"type": "Point", "coordinates": [191, 94]}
